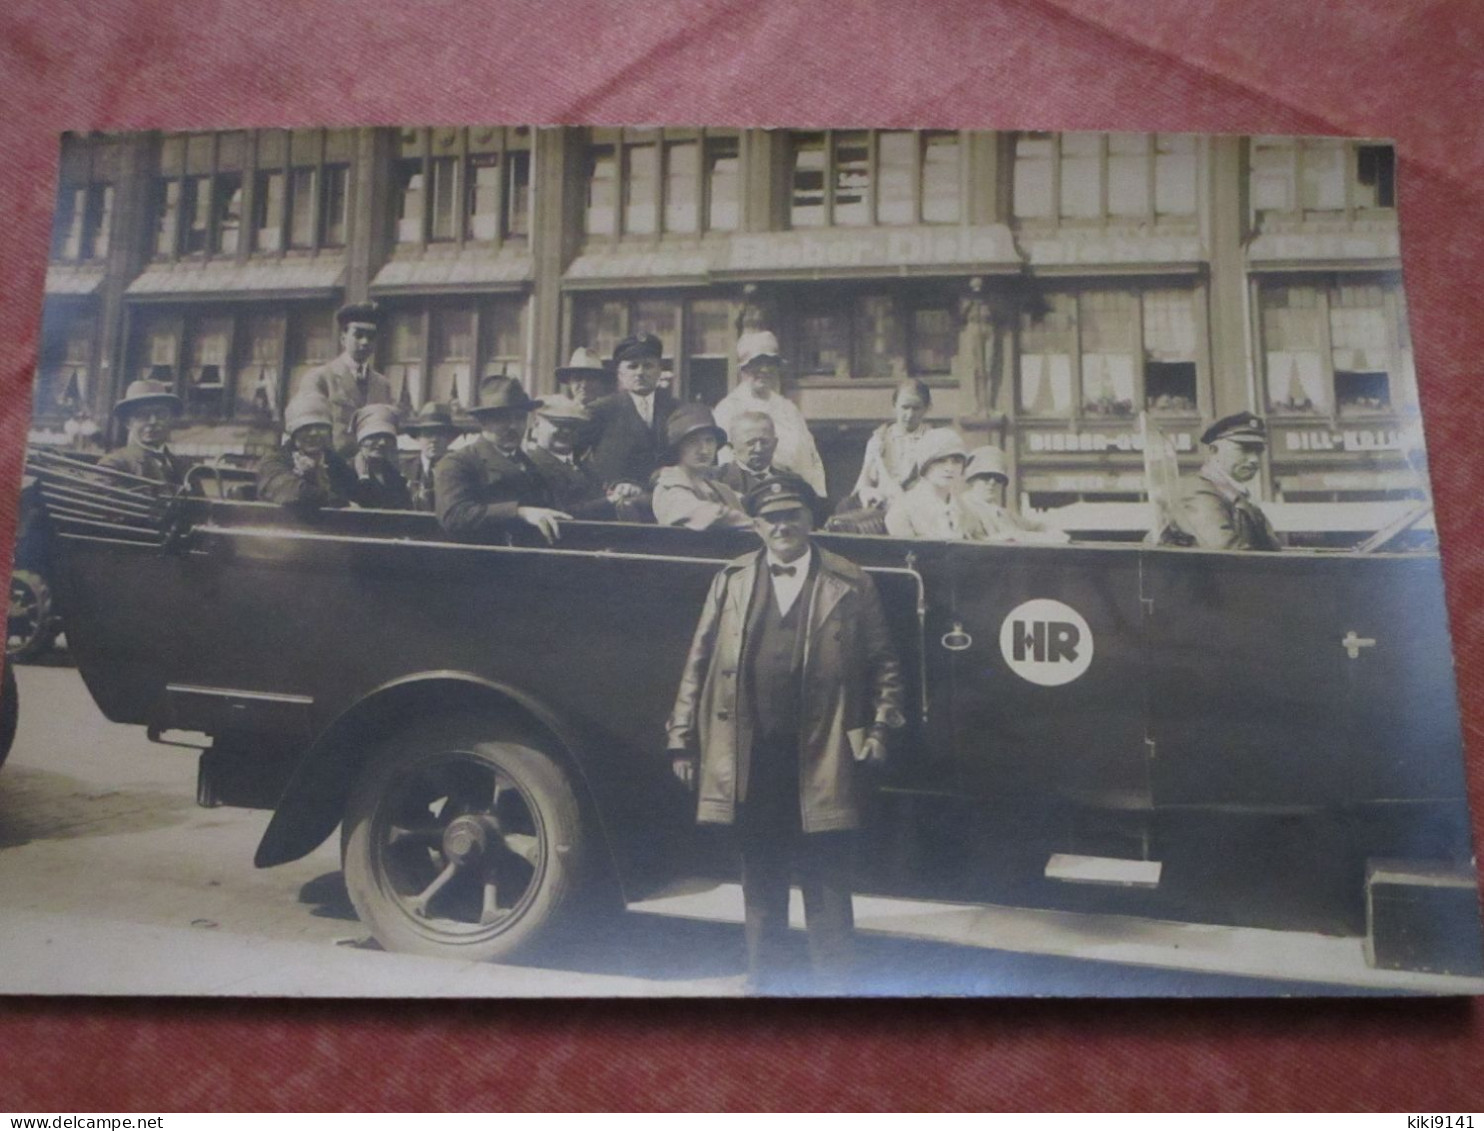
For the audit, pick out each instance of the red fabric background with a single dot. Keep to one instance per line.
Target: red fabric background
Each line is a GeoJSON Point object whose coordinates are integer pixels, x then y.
{"type": "Point", "coordinates": [1411, 71]}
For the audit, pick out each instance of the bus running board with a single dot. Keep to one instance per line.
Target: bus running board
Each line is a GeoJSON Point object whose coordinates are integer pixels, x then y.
{"type": "Point", "coordinates": [1075, 869]}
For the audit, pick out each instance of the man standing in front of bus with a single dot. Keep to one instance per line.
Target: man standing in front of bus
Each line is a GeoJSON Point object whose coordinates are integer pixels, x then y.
{"type": "Point", "coordinates": [791, 686]}
{"type": "Point", "coordinates": [1213, 509]}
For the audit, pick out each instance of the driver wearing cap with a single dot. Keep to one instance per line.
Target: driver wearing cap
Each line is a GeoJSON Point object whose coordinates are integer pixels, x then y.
{"type": "Point", "coordinates": [1213, 509]}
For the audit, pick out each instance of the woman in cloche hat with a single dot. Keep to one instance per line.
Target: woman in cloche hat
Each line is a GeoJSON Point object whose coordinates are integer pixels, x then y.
{"type": "Point", "coordinates": [687, 493]}
{"type": "Point", "coordinates": [934, 508]}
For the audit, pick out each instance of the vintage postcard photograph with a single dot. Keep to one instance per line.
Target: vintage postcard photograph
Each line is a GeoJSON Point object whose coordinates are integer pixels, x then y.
{"type": "Point", "coordinates": [549, 561]}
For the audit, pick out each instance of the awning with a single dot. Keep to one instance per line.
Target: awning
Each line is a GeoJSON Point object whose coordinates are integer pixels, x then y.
{"type": "Point", "coordinates": [168, 280]}
{"type": "Point", "coordinates": [1080, 250]}
{"type": "Point", "coordinates": [467, 271]}
{"type": "Point", "coordinates": [1359, 247]}
{"type": "Point", "coordinates": [640, 266]}
{"type": "Point", "coordinates": [66, 279]}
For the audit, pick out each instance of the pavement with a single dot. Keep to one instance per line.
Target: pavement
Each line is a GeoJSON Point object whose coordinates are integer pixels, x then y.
{"type": "Point", "coordinates": [113, 881]}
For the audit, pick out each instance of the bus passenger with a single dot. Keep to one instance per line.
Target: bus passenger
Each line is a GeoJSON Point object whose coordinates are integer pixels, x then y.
{"type": "Point", "coordinates": [934, 507]}
{"type": "Point", "coordinates": [689, 492]}
{"type": "Point", "coordinates": [556, 426]}
{"type": "Point", "coordinates": [147, 411]}
{"type": "Point", "coordinates": [434, 430]}
{"type": "Point", "coordinates": [484, 488]}
{"type": "Point", "coordinates": [305, 473]}
{"type": "Point", "coordinates": [754, 439]}
{"type": "Point", "coordinates": [760, 378]}
{"type": "Point", "coordinates": [1212, 508]}
{"type": "Point", "coordinates": [629, 426]}
{"type": "Point", "coordinates": [379, 482]}
{"type": "Point", "coordinates": [986, 477]}
{"type": "Point", "coordinates": [890, 464]}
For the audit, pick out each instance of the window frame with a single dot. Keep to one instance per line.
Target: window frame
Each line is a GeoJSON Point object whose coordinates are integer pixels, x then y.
{"type": "Point", "coordinates": [622, 141]}
{"type": "Point", "coordinates": [1297, 145]}
{"type": "Point", "coordinates": [831, 143]}
{"type": "Point", "coordinates": [1150, 217]}
{"type": "Point", "coordinates": [906, 302]}
{"type": "Point", "coordinates": [465, 147]}
{"type": "Point", "coordinates": [1079, 416]}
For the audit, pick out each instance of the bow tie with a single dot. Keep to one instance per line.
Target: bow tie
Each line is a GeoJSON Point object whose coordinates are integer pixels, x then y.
{"type": "Point", "coordinates": [783, 571]}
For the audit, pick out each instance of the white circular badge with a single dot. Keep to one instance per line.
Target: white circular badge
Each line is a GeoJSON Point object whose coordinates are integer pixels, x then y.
{"type": "Point", "coordinates": [1046, 642]}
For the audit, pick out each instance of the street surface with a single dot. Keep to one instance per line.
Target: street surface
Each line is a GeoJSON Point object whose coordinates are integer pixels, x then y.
{"type": "Point", "coordinates": [113, 881]}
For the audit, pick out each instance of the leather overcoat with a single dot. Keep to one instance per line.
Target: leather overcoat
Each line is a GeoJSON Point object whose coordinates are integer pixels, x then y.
{"type": "Point", "coordinates": [852, 681]}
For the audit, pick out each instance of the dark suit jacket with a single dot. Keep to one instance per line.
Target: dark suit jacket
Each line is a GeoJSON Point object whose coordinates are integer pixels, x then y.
{"type": "Point", "coordinates": [573, 486]}
{"type": "Point", "coordinates": [479, 489]}
{"type": "Point", "coordinates": [161, 466]}
{"type": "Point", "coordinates": [388, 493]}
{"type": "Point", "coordinates": [625, 451]}
{"type": "Point", "coordinates": [742, 480]}
{"type": "Point", "coordinates": [419, 483]}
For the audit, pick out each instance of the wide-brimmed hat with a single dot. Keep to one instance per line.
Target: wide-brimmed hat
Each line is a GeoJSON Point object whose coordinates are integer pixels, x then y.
{"type": "Point", "coordinates": [988, 460]}
{"type": "Point", "coordinates": [585, 363]}
{"type": "Point", "coordinates": [501, 394]}
{"type": "Point", "coordinates": [756, 345]}
{"type": "Point", "coordinates": [434, 416]}
{"type": "Point", "coordinates": [145, 392]}
{"type": "Point", "coordinates": [562, 410]}
{"type": "Point", "coordinates": [1244, 427]}
{"type": "Point", "coordinates": [305, 409]}
{"type": "Point", "coordinates": [638, 346]}
{"type": "Point", "coordinates": [689, 419]}
{"type": "Point", "coordinates": [939, 443]}
{"type": "Point", "coordinates": [374, 420]}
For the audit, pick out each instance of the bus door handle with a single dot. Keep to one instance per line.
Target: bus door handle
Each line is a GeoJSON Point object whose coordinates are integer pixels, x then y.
{"type": "Point", "coordinates": [956, 639]}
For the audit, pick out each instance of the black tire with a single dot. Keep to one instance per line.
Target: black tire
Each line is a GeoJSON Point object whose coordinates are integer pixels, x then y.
{"type": "Point", "coordinates": [10, 711]}
{"type": "Point", "coordinates": [457, 844]}
{"type": "Point", "coordinates": [29, 628]}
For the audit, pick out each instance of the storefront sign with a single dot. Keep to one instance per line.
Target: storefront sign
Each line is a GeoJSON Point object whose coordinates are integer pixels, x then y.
{"type": "Point", "coordinates": [1349, 440]}
{"type": "Point", "coordinates": [906, 247]}
{"type": "Point", "coordinates": [1099, 442]}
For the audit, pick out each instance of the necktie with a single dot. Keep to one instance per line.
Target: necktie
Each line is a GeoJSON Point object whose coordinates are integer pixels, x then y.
{"type": "Point", "coordinates": [783, 571]}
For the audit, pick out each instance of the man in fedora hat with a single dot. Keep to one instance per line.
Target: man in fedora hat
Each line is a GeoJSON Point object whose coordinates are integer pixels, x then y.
{"type": "Point", "coordinates": [1212, 509]}
{"type": "Point", "coordinates": [434, 430]}
{"type": "Point", "coordinates": [585, 378]}
{"type": "Point", "coordinates": [306, 473]}
{"type": "Point", "coordinates": [349, 383]}
{"type": "Point", "coordinates": [760, 378]}
{"type": "Point", "coordinates": [629, 425]}
{"type": "Point", "coordinates": [791, 684]}
{"type": "Point", "coordinates": [486, 487]}
{"type": "Point", "coordinates": [146, 411]}
{"type": "Point", "coordinates": [379, 482]}
{"type": "Point", "coordinates": [688, 492]}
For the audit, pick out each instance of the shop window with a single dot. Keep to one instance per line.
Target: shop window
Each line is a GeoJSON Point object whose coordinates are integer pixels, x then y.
{"type": "Point", "coordinates": [259, 392]}
{"type": "Point", "coordinates": [1336, 350]}
{"type": "Point", "coordinates": [207, 375]}
{"type": "Point", "coordinates": [880, 336]}
{"type": "Point", "coordinates": [1110, 354]}
{"type": "Point", "coordinates": [64, 382]}
{"type": "Point", "coordinates": [601, 325]}
{"type": "Point", "coordinates": [502, 336]}
{"type": "Point", "coordinates": [1293, 177]}
{"type": "Point", "coordinates": [1095, 177]}
{"type": "Point", "coordinates": [934, 339]}
{"type": "Point", "coordinates": [312, 341]}
{"type": "Point", "coordinates": [453, 356]}
{"type": "Point", "coordinates": [854, 177]}
{"type": "Point", "coordinates": [710, 340]}
{"type": "Point", "coordinates": [406, 351]}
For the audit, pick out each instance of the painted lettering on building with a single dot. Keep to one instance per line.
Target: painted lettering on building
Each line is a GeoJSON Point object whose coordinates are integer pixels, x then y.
{"type": "Point", "coordinates": [1099, 442]}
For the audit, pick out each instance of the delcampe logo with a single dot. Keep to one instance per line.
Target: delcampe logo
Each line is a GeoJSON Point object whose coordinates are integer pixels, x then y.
{"type": "Point", "coordinates": [1046, 642]}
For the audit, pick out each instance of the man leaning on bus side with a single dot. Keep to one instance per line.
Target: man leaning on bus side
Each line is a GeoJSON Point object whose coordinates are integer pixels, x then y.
{"type": "Point", "coordinates": [791, 684]}
{"type": "Point", "coordinates": [487, 487]}
{"type": "Point", "coordinates": [1213, 509]}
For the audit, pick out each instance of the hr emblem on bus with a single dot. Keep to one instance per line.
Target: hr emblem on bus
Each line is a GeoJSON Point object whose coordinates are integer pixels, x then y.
{"type": "Point", "coordinates": [1046, 642]}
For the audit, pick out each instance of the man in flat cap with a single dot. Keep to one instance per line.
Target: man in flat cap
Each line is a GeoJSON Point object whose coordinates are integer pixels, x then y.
{"type": "Point", "coordinates": [1212, 509]}
{"type": "Point", "coordinates": [485, 488]}
{"type": "Point", "coordinates": [759, 381]}
{"type": "Point", "coordinates": [349, 382]}
{"type": "Point", "coordinates": [556, 424]}
{"type": "Point", "coordinates": [781, 765]}
{"type": "Point", "coordinates": [629, 425]}
{"type": "Point", "coordinates": [147, 411]}
{"type": "Point", "coordinates": [379, 482]}
{"type": "Point", "coordinates": [306, 473]}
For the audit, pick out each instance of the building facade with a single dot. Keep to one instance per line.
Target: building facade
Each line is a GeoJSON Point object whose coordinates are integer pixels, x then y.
{"type": "Point", "coordinates": [1048, 287]}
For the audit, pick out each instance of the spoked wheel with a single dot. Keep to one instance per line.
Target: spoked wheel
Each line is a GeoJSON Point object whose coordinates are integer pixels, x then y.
{"type": "Point", "coordinates": [461, 848]}
{"type": "Point", "coordinates": [28, 628]}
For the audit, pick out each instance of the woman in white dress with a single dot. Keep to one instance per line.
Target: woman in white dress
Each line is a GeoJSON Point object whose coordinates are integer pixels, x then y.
{"type": "Point", "coordinates": [891, 461]}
